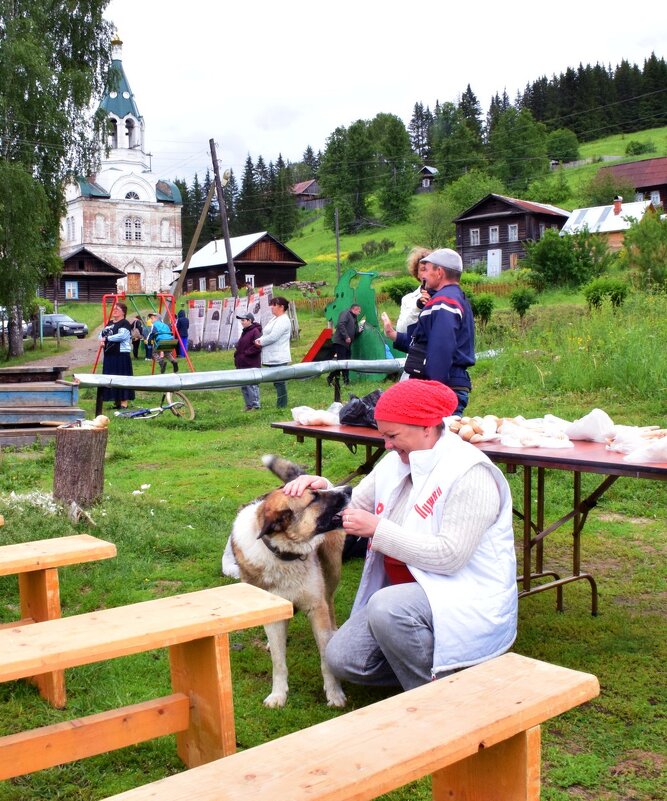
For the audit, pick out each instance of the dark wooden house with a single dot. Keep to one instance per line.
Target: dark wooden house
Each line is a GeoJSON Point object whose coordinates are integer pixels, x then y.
{"type": "Point", "coordinates": [308, 195]}
{"type": "Point", "coordinates": [259, 259]}
{"type": "Point", "coordinates": [85, 277]}
{"type": "Point", "coordinates": [648, 177]}
{"type": "Point", "coordinates": [495, 229]}
{"type": "Point", "coordinates": [427, 178]}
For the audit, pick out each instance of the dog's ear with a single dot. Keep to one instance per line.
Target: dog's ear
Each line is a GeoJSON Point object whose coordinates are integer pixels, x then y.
{"type": "Point", "coordinates": [283, 468]}
{"type": "Point", "coordinates": [275, 522]}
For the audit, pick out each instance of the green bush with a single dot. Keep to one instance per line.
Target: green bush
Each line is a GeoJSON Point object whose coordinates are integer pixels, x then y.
{"type": "Point", "coordinates": [613, 288]}
{"type": "Point", "coordinates": [482, 307]}
{"type": "Point", "coordinates": [355, 255]}
{"type": "Point", "coordinates": [522, 299]}
{"type": "Point", "coordinates": [398, 287]}
{"type": "Point", "coordinates": [635, 148]}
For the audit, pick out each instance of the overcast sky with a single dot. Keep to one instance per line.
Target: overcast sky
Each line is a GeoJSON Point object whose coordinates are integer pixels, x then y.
{"type": "Point", "coordinates": [262, 77]}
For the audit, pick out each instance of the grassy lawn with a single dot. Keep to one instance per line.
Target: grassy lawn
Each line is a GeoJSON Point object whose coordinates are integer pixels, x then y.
{"type": "Point", "coordinates": [172, 489]}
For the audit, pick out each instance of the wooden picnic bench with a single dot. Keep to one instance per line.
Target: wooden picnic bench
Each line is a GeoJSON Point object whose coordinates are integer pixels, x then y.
{"type": "Point", "coordinates": [36, 564]}
{"type": "Point", "coordinates": [194, 626]}
{"type": "Point", "coordinates": [477, 733]}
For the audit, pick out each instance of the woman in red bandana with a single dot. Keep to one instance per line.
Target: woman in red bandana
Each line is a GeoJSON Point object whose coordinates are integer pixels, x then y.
{"type": "Point", "coordinates": [438, 591]}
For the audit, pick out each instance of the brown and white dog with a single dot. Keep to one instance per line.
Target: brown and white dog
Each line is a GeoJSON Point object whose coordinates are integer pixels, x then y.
{"type": "Point", "coordinates": [293, 548]}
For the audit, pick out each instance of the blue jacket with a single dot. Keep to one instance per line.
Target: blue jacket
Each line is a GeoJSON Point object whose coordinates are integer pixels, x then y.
{"type": "Point", "coordinates": [446, 329]}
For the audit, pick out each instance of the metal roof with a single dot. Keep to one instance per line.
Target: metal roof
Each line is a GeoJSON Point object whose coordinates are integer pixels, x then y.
{"type": "Point", "coordinates": [602, 220]}
{"type": "Point", "coordinates": [645, 173]}
{"type": "Point", "coordinates": [215, 255]}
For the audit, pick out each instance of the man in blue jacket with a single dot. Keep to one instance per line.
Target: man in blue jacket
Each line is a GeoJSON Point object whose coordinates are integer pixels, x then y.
{"type": "Point", "coordinates": [442, 346]}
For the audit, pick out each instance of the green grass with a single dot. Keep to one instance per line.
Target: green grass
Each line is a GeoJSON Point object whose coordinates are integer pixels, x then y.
{"type": "Point", "coordinates": [170, 539]}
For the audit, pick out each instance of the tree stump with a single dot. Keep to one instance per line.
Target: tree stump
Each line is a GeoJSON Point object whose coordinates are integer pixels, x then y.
{"type": "Point", "coordinates": [78, 473]}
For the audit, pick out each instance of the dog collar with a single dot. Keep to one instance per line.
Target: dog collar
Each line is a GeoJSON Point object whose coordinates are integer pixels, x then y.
{"type": "Point", "coordinates": [286, 556]}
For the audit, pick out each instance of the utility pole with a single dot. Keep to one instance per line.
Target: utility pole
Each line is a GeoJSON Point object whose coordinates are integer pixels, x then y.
{"type": "Point", "coordinates": [223, 217]}
{"type": "Point", "coordinates": [193, 244]}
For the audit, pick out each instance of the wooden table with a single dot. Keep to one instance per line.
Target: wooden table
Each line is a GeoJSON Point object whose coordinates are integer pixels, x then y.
{"type": "Point", "coordinates": [584, 457]}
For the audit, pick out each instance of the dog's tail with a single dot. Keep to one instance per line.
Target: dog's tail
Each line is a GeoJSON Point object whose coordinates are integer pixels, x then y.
{"type": "Point", "coordinates": [283, 468]}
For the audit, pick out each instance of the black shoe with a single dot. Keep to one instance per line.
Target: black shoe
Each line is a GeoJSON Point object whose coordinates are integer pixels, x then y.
{"type": "Point", "coordinates": [175, 367]}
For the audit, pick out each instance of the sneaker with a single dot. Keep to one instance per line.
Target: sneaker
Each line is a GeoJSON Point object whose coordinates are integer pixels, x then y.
{"type": "Point", "coordinates": [175, 367]}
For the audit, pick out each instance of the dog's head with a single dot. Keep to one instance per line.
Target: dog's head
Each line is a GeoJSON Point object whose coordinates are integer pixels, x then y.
{"type": "Point", "coordinates": [292, 522]}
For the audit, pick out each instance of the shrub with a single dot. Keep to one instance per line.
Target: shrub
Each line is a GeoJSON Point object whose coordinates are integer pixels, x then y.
{"type": "Point", "coordinates": [522, 299]}
{"type": "Point", "coordinates": [613, 288]}
{"type": "Point", "coordinates": [355, 255]}
{"type": "Point", "coordinates": [373, 248]}
{"type": "Point", "coordinates": [398, 287]}
{"type": "Point", "coordinates": [482, 307]}
{"type": "Point", "coordinates": [635, 148]}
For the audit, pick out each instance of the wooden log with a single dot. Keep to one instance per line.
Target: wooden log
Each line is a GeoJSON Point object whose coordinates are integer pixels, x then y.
{"type": "Point", "coordinates": [78, 473]}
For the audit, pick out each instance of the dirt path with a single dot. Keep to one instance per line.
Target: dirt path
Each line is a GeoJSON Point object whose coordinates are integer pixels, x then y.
{"type": "Point", "coordinates": [80, 354]}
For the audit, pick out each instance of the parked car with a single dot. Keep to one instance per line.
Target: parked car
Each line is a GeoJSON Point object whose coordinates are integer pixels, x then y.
{"type": "Point", "coordinates": [62, 322]}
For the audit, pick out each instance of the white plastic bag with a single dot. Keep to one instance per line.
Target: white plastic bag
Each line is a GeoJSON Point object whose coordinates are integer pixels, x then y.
{"type": "Point", "coordinates": [652, 450]}
{"type": "Point", "coordinates": [596, 426]}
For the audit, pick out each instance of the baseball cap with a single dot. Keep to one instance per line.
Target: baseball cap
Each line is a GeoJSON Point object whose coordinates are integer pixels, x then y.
{"type": "Point", "coordinates": [247, 316]}
{"type": "Point", "coordinates": [445, 257]}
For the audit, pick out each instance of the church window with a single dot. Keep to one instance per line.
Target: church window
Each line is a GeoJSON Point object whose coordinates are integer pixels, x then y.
{"type": "Point", "coordinates": [112, 132]}
{"type": "Point", "coordinates": [164, 231]}
{"type": "Point", "coordinates": [128, 228]}
{"type": "Point", "coordinates": [99, 226]}
{"type": "Point", "coordinates": [137, 228]}
{"type": "Point", "coordinates": [131, 196]}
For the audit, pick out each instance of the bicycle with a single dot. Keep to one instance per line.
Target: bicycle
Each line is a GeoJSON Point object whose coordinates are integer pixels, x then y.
{"type": "Point", "coordinates": [175, 402]}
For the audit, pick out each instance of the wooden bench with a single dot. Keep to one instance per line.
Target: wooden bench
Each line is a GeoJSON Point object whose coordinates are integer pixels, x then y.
{"type": "Point", "coordinates": [36, 564]}
{"type": "Point", "coordinates": [194, 626]}
{"type": "Point", "coordinates": [476, 732]}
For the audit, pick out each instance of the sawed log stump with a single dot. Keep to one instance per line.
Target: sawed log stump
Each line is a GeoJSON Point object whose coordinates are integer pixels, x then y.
{"type": "Point", "coordinates": [78, 473]}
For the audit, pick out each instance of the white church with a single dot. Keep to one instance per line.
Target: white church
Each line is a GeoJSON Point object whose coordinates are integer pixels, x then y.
{"type": "Point", "coordinates": [123, 224]}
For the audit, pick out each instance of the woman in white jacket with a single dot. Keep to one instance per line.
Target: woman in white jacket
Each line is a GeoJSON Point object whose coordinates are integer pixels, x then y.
{"type": "Point", "coordinates": [438, 591]}
{"type": "Point", "coordinates": [274, 343]}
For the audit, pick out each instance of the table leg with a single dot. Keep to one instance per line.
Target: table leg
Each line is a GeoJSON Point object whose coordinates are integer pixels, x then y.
{"type": "Point", "coordinates": [39, 593]}
{"type": "Point", "coordinates": [318, 456]}
{"type": "Point", "coordinates": [201, 669]}
{"type": "Point", "coordinates": [527, 530]}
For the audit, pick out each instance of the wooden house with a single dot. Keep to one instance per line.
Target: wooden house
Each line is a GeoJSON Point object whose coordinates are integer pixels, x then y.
{"type": "Point", "coordinates": [427, 178]}
{"type": "Point", "coordinates": [610, 222]}
{"type": "Point", "coordinates": [85, 277]}
{"type": "Point", "coordinates": [259, 259]}
{"type": "Point", "coordinates": [495, 229]}
{"type": "Point", "coordinates": [648, 177]}
{"type": "Point", "coordinates": [308, 195]}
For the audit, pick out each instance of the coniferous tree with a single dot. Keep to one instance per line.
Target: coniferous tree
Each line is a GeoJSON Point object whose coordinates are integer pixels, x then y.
{"type": "Point", "coordinates": [419, 128]}
{"type": "Point", "coordinates": [213, 224]}
{"type": "Point", "coordinates": [248, 210]}
{"type": "Point", "coordinates": [284, 213]}
{"type": "Point", "coordinates": [497, 106]}
{"type": "Point", "coordinates": [471, 111]}
{"type": "Point", "coordinates": [311, 161]}
{"type": "Point", "coordinates": [188, 221]}
{"type": "Point", "coordinates": [336, 180]}
{"type": "Point", "coordinates": [230, 192]}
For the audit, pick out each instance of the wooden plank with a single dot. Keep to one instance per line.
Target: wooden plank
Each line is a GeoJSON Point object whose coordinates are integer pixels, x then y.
{"type": "Point", "coordinates": [26, 415]}
{"type": "Point", "coordinates": [96, 734]}
{"type": "Point", "coordinates": [19, 437]}
{"type": "Point", "coordinates": [39, 393]}
{"type": "Point", "coordinates": [109, 633]}
{"type": "Point", "coordinates": [40, 600]}
{"type": "Point", "coordinates": [23, 557]}
{"type": "Point", "coordinates": [27, 374]}
{"type": "Point", "coordinates": [509, 770]}
{"type": "Point", "coordinates": [373, 750]}
{"type": "Point", "coordinates": [203, 670]}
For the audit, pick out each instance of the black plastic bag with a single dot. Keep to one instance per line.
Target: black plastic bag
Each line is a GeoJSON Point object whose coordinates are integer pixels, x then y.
{"type": "Point", "coordinates": [359, 411]}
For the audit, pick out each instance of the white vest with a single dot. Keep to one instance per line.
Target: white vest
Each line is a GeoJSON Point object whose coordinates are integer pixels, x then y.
{"type": "Point", "coordinates": [475, 609]}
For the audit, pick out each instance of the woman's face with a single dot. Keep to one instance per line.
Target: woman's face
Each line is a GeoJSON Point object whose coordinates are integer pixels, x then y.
{"type": "Point", "coordinates": [117, 313]}
{"type": "Point", "coordinates": [277, 309]}
{"type": "Point", "coordinates": [404, 438]}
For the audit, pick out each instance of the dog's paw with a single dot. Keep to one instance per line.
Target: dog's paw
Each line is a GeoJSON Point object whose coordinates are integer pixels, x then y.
{"type": "Point", "coordinates": [276, 700]}
{"type": "Point", "coordinates": [336, 697]}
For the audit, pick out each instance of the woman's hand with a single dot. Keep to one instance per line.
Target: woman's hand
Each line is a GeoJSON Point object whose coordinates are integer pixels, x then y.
{"type": "Point", "coordinates": [297, 486]}
{"type": "Point", "coordinates": [359, 523]}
